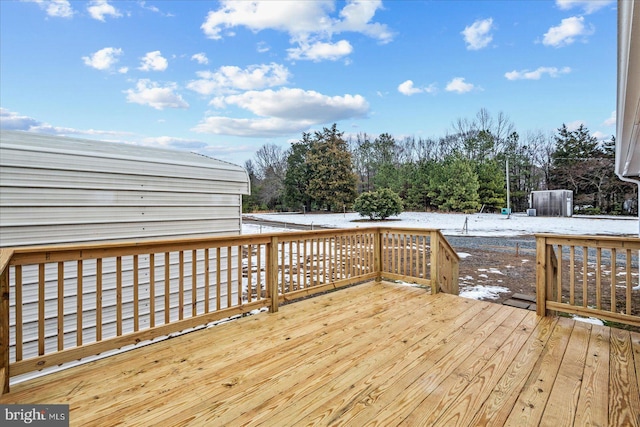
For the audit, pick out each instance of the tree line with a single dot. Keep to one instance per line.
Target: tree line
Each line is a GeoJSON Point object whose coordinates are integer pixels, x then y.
{"type": "Point", "coordinates": [463, 171]}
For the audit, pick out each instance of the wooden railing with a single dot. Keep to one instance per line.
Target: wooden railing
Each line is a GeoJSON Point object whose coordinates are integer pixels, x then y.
{"type": "Point", "coordinates": [589, 276]}
{"type": "Point", "coordinates": [64, 303]}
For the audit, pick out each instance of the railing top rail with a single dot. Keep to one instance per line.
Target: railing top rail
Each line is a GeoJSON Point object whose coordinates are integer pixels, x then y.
{"type": "Point", "coordinates": [5, 258]}
{"type": "Point", "coordinates": [447, 245]}
{"type": "Point", "coordinates": [69, 252]}
{"type": "Point", "coordinates": [412, 230]}
{"type": "Point", "coordinates": [587, 237]}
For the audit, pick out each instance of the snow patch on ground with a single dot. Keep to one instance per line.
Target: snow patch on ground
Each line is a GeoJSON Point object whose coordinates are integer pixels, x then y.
{"type": "Point", "coordinates": [463, 255]}
{"type": "Point", "coordinates": [480, 292]}
{"type": "Point", "coordinates": [591, 320]}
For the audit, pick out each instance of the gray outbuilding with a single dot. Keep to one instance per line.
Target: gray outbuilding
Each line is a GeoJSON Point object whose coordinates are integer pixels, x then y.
{"type": "Point", "coordinates": [62, 190]}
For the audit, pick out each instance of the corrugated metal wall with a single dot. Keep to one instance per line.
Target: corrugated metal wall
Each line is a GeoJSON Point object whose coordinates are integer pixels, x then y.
{"type": "Point", "coordinates": [61, 190]}
{"type": "Point", "coordinates": [552, 202]}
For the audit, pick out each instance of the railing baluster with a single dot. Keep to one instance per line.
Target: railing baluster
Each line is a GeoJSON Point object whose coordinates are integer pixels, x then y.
{"type": "Point", "coordinates": [572, 274]}
{"type": "Point", "coordinates": [229, 268]}
{"type": "Point", "coordinates": [19, 325]}
{"type": "Point", "coordinates": [249, 272]}
{"type": "Point", "coordinates": [614, 269]}
{"type": "Point", "coordinates": [60, 299]}
{"type": "Point", "coordinates": [240, 248]}
{"type": "Point", "coordinates": [304, 264]}
{"type": "Point", "coordinates": [585, 275]}
{"type": "Point", "coordinates": [218, 279]}
{"type": "Point", "coordinates": [152, 290]}
{"type": "Point", "coordinates": [599, 278]}
{"type": "Point", "coordinates": [281, 249]}
{"type": "Point", "coordinates": [207, 281]}
{"type": "Point", "coordinates": [118, 296]}
{"type": "Point", "coordinates": [628, 290]}
{"type": "Point", "coordinates": [99, 299]}
{"type": "Point", "coordinates": [559, 275]}
{"type": "Point", "coordinates": [136, 297]}
{"type": "Point", "coordinates": [41, 300]}
{"type": "Point", "coordinates": [79, 308]}
{"type": "Point", "coordinates": [167, 288]}
{"type": "Point", "coordinates": [259, 273]}
{"type": "Point", "coordinates": [180, 285]}
{"type": "Point", "coordinates": [194, 283]}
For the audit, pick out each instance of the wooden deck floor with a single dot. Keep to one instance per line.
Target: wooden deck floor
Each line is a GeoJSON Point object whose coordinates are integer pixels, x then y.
{"type": "Point", "coordinates": [374, 354]}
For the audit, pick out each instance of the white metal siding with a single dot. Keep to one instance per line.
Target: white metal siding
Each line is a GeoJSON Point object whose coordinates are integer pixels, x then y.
{"type": "Point", "coordinates": [62, 190]}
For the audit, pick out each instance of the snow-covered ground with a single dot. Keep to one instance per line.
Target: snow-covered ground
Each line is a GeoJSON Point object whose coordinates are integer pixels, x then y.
{"type": "Point", "coordinates": [476, 224]}
{"type": "Point", "coordinates": [493, 225]}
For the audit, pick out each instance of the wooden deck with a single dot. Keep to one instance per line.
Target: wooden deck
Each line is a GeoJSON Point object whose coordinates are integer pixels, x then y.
{"type": "Point", "coordinates": [373, 354]}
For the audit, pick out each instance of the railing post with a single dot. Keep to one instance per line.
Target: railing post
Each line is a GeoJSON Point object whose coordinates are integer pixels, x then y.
{"type": "Point", "coordinates": [272, 273]}
{"type": "Point", "coordinates": [541, 276]}
{"type": "Point", "coordinates": [5, 256]}
{"type": "Point", "coordinates": [377, 254]}
{"type": "Point", "coordinates": [435, 256]}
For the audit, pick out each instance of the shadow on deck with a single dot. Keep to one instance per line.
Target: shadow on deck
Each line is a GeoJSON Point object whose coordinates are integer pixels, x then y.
{"type": "Point", "coordinates": [374, 353]}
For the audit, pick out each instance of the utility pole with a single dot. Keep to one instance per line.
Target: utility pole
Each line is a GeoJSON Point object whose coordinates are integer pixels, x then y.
{"type": "Point", "coordinates": [508, 199]}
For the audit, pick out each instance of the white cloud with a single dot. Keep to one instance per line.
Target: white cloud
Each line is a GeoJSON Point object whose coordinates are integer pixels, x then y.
{"type": "Point", "coordinates": [357, 15]}
{"type": "Point", "coordinates": [298, 104]}
{"type": "Point", "coordinates": [601, 136]}
{"type": "Point", "coordinates": [308, 23]}
{"type": "Point", "coordinates": [611, 121]}
{"type": "Point", "coordinates": [56, 8]}
{"type": "Point", "coordinates": [170, 142]}
{"type": "Point", "coordinates": [320, 51]}
{"type": "Point", "coordinates": [143, 4]}
{"type": "Point", "coordinates": [152, 94]}
{"type": "Point", "coordinates": [231, 78]}
{"type": "Point", "coordinates": [103, 59]}
{"type": "Point", "coordinates": [566, 33]}
{"type": "Point", "coordinates": [457, 84]}
{"type": "Point", "coordinates": [283, 112]}
{"type": "Point", "coordinates": [10, 120]}
{"type": "Point", "coordinates": [263, 47]}
{"type": "Point", "coordinates": [269, 127]}
{"type": "Point", "coordinates": [477, 35]}
{"type": "Point", "coordinates": [201, 58]}
{"type": "Point", "coordinates": [537, 73]}
{"type": "Point", "coordinates": [589, 6]}
{"type": "Point", "coordinates": [98, 9]}
{"type": "Point", "coordinates": [574, 125]}
{"type": "Point", "coordinates": [153, 61]}
{"type": "Point", "coordinates": [123, 70]}
{"type": "Point", "coordinates": [407, 88]}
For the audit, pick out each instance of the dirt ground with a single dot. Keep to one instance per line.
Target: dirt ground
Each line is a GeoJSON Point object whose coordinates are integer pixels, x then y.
{"type": "Point", "coordinates": [489, 268]}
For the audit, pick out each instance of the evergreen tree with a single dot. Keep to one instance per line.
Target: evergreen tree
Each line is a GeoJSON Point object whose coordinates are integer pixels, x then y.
{"type": "Point", "coordinates": [296, 180]}
{"type": "Point", "coordinates": [454, 187]}
{"type": "Point", "coordinates": [332, 183]}
{"type": "Point", "coordinates": [491, 185]}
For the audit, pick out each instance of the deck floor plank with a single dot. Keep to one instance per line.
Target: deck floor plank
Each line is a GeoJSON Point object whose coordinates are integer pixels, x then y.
{"type": "Point", "coordinates": [595, 382]}
{"type": "Point", "coordinates": [480, 384]}
{"type": "Point", "coordinates": [343, 389]}
{"type": "Point", "coordinates": [218, 374]}
{"type": "Point", "coordinates": [339, 345]}
{"type": "Point", "coordinates": [401, 387]}
{"type": "Point", "coordinates": [372, 354]}
{"type": "Point", "coordinates": [624, 397]}
{"type": "Point", "coordinates": [498, 405]}
{"type": "Point", "coordinates": [563, 400]}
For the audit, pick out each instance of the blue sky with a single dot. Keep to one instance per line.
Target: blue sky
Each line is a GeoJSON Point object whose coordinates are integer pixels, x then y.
{"type": "Point", "coordinates": [224, 78]}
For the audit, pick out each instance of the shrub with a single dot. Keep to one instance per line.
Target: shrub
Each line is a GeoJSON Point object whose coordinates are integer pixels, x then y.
{"type": "Point", "coordinates": [379, 204]}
